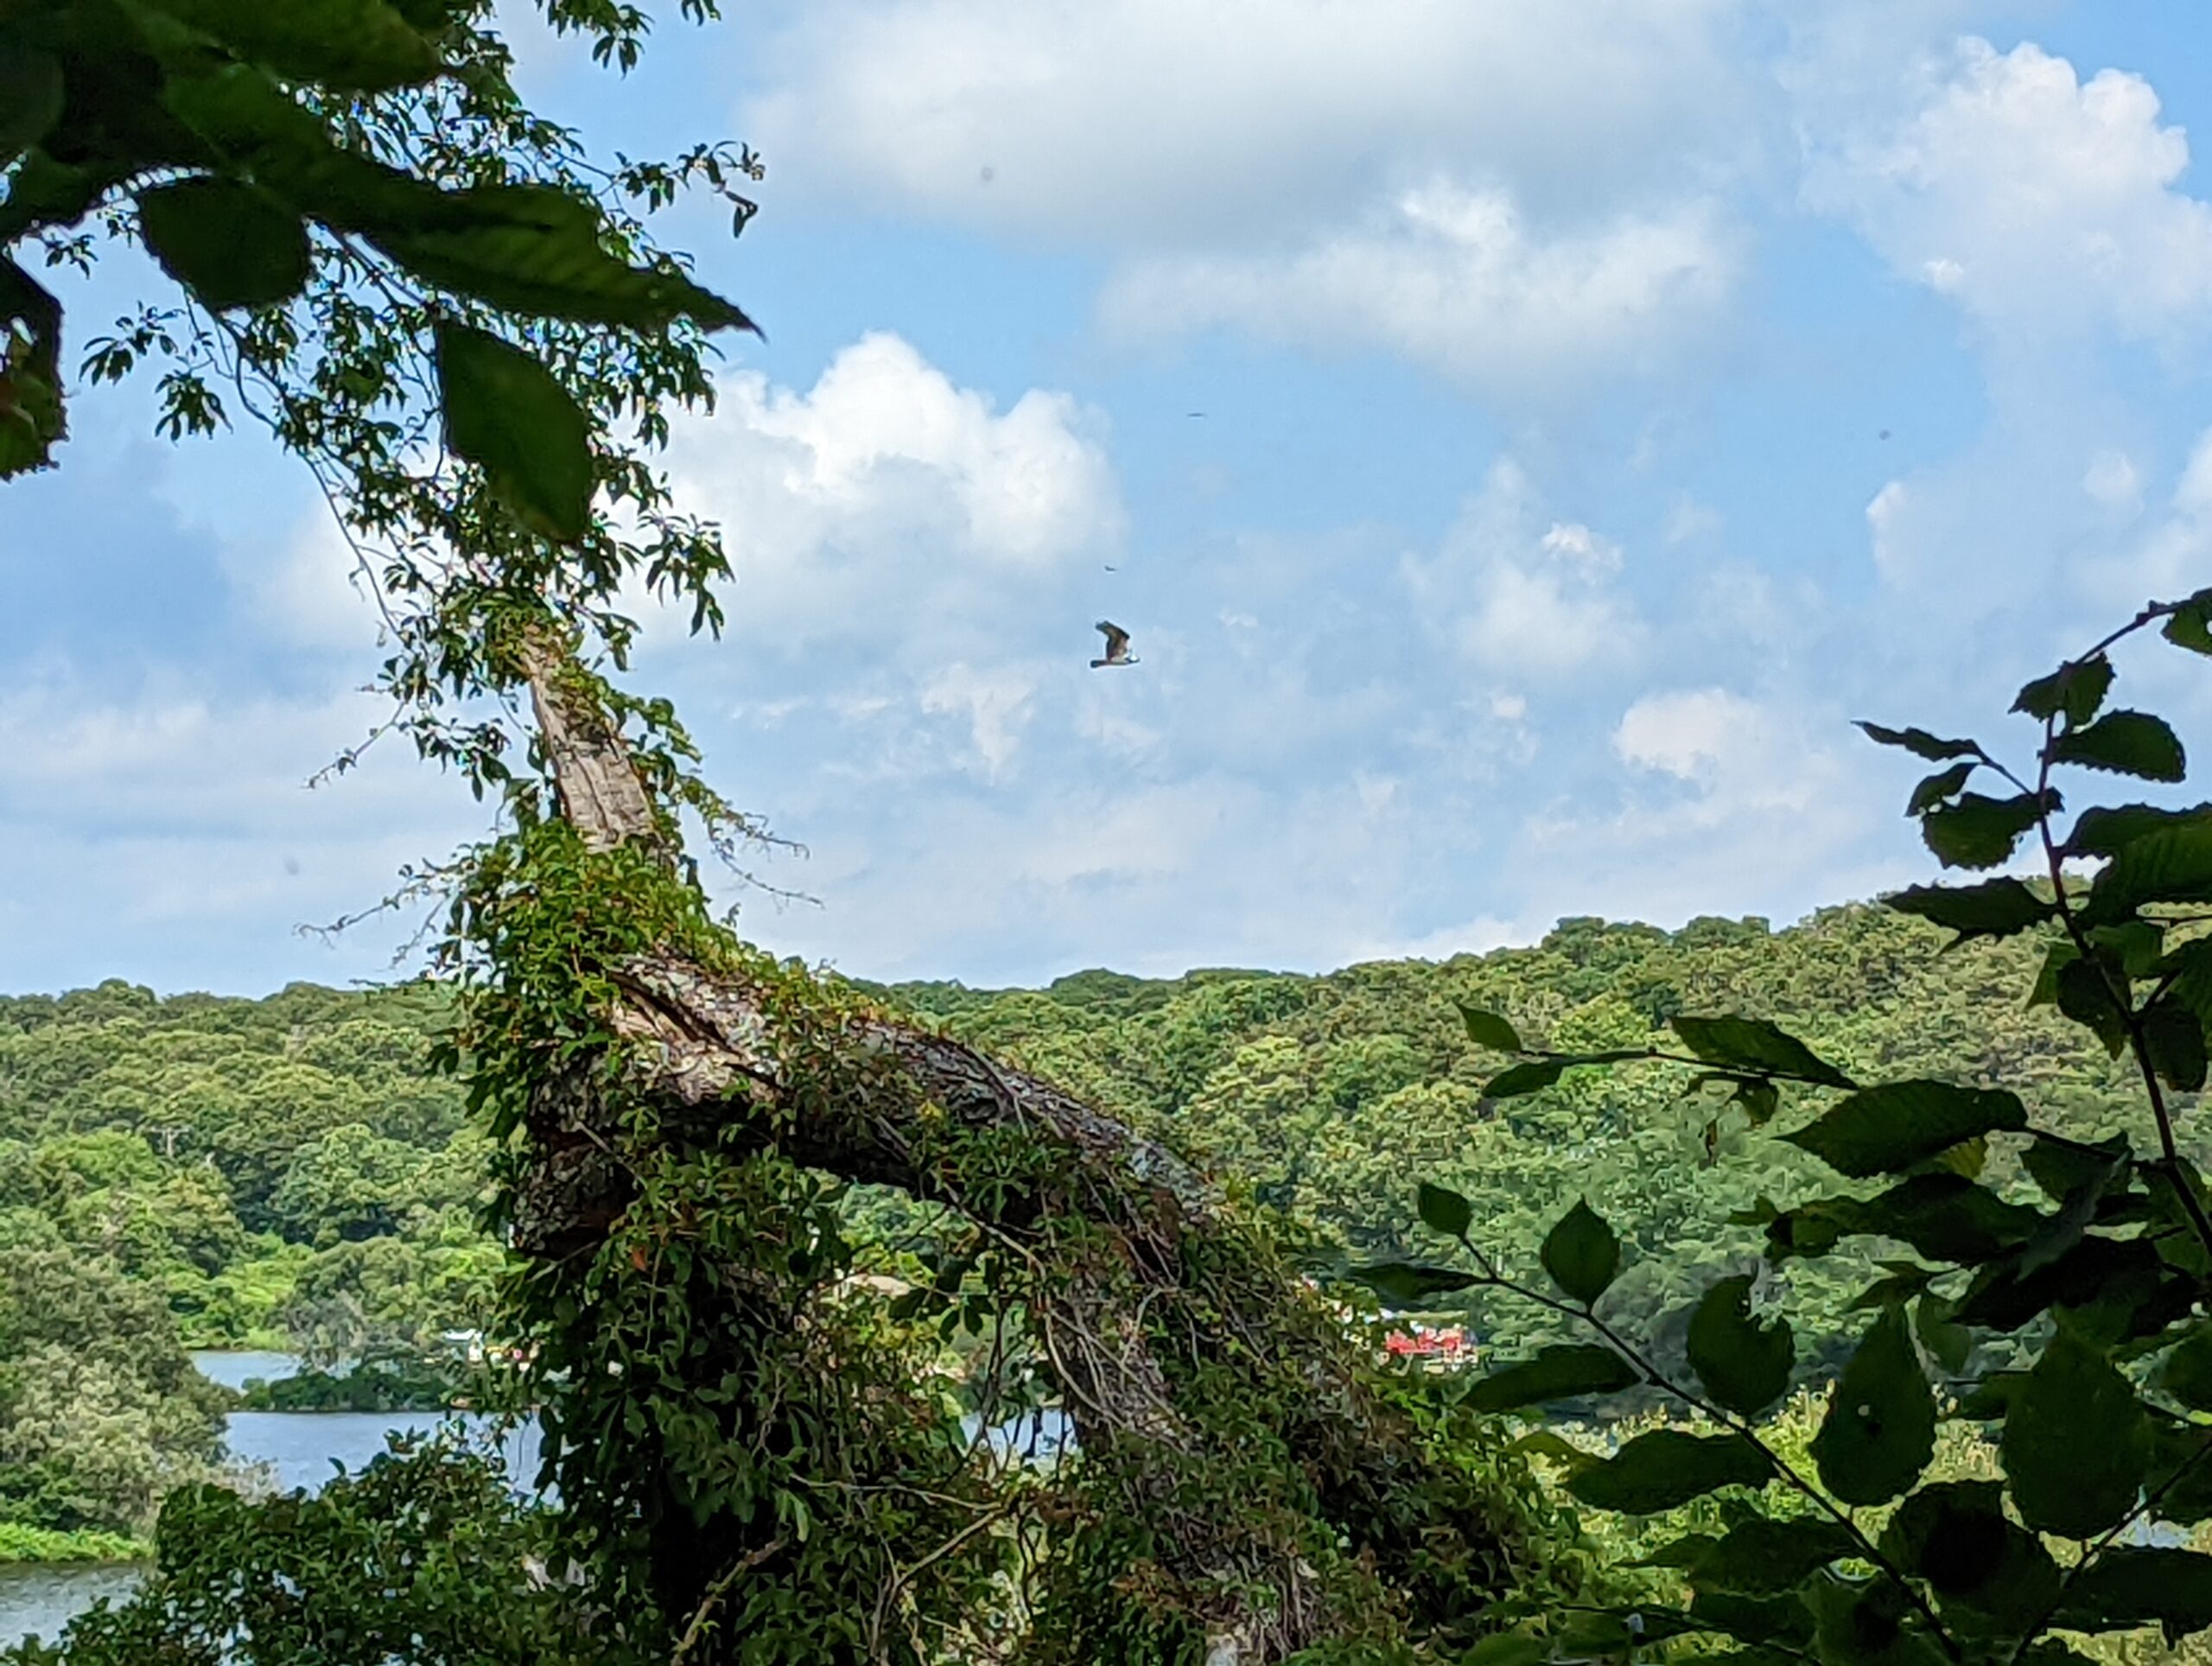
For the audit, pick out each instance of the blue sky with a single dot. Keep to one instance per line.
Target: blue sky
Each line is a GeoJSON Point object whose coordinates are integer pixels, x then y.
{"type": "Point", "coordinates": [1602, 405]}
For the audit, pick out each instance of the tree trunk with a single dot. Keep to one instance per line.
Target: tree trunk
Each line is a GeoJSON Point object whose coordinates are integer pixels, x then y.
{"type": "Point", "coordinates": [1158, 1293]}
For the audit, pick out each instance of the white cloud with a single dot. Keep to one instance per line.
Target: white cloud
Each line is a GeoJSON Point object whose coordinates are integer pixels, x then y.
{"type": "Point", "coordinates": [1455, 280]}
{"type": "Point", "coordinates": [888, 505]}
{"type": "Point", "coordinates": [995, 704]}
{"type": "Point", "coordinates": [1138, 124]}
{"type": "Point", "coordinates": [1689, 735]}
{"type": "Point", "coordinates": [191, 808]}
{"type": "Point", "coordinates": [2042, 203]}
{"type": "Point", "coordinates": [1519, 603]}
{"type": "Point", "coordinates": [2112, 480]}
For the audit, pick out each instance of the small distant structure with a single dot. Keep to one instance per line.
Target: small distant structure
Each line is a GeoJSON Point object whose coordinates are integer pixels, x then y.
{"type": "Point", "coordinates": [1444, 1348]}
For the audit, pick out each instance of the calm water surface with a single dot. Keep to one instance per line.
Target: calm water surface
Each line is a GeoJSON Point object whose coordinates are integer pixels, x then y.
{"type": "Point", "coordinates": [291, 1449]}
{"type": "Point", "coordinates": [303, 1450]}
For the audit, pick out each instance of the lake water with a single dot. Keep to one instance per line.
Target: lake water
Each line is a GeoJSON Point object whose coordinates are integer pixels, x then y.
{"type": "Point", "coordinates": [302, 1450]}
{"type": "Point", "coordinates": [292, 1449]}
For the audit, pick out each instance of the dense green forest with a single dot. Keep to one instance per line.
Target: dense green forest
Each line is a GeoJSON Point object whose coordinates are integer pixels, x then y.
{"type": "Point", "coordinates": [288, 1172]}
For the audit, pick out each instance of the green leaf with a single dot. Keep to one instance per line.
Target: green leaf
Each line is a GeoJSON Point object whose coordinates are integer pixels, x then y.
{"type": "Point", "coordinates": [1886, 1129]}
{"type": "Point", "coordinates": [1506, 1649]}
{"type": "Point", "coordinates": [1556, 1373]}
{"type": "Point", "coordinates": [531, 249]}
{"type": "Point", "coordinates": [1945, 1217]}
{"type": "Point", "coordinates": [2129, 1586]}
{"type": "Point", "coordinates": [1535, 1075]}
{"type": "Point", "coordinates": [2186, 1375]}
{"type": "Point", "coordinates": [31, 97]}
{"type": "Point", "coordinates": [2173, 1034]}
{"type": "Point", "coordinates": [2103, 830]}
{"type": "Point", "coordinates": [1782, 1620]}
{"type": "Point", "coordinates": [1760, 1099]}
{"type": "Point", "coordinates": [2190, 625]}
{"type": "Point", "coordinates": [1404, 1284]}
{"type": "Point", "coordinates": [1581, 1254]}
{"type": "Point", "coordinates": [1488, 1029]}
{"type": "Point", "coordinates": [1760, 1557]}
{"type": "Point", "coordinates": [505, 412]}
{"type": "Point", "coordinates": [1949, 1343]}
{"type": "Point", "coordinates": [1943, 786]}
{"type": "Point", "coordinates": [1921, 744]}
{"type": "Point", "coordinates": [2173, 864]}
{"type": "Point", "coordinates": [1663, 1469]}
{"type": "Point", "coordinates": [1444, 1210]}
{"type": "Point", "coordinates": [1754, 1044]}
{"type": "Point", "coordinates": [2086, 996]}
{"type": "Point", "coordinates": [1954, 1534]}
{"type": "Point", "coordinates": [353, 46]}
{"type": "Point", "coordinates": [1980, 831]}
{"type": "Point", "coordinates": [231, 245]}
{"type": "Point", "coordinates": [2062, 1482]}
{"type": "Point", "coordinates": [2124, 743]}
{"type": "Point", "coordinates": [1743, 1364]}
{"type": "Point", "coordinates": [2073, 691]}
{"type": "Point", "coordinates": [1995, 908]}
{"type": "Point", "coordinates": [1880, 1429]}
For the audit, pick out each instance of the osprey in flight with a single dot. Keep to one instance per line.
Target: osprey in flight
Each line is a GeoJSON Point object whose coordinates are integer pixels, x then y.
{"type": "Point", "coordinates": [1118, 647]}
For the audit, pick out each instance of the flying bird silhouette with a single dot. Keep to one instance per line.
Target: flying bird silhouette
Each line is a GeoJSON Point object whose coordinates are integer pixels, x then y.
{"type": "Point", "coordinates": [1118, 647]}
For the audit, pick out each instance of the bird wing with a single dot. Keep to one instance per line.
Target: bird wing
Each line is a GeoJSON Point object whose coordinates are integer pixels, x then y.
{"type": "Point", "coordinates": [1116, 637]}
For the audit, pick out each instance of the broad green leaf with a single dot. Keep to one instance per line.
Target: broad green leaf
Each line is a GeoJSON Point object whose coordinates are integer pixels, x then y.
{"type": "Point", "coordinates": [530, 249]}
{"type": "Point", "coordinates": [1530, 1077]}
{"type": "Point", "coordinates": [524, 248]}
{"type": "Point", "coordinates": [2061, 1170]}
{"type": "Point", "coordinates": [1581, 1254]}
{"type": "Point", "coordinates": [2117, 1284]}
{"type": "Point", "coordinates": [2086, 995]}
{"type": "Point", "coordinates": [1506, 1649]}
{"type": "Point", "coordinates": [353, 46]}
{"type": "Point", "coordinates": [2057, 1236]}
{"type": "Point", "coordinates": [1760, 1099]}
{"type": "Point", "coordinates": [231, 245]}
{"type": "Point", "coordinates": [1995, 908]}
{"type": "Point", "coordinates": [1945, 1217]}
{"type": "Point", "coordinates": [1954, 1534]}
{"type": "Point", "coordinates": [1880, 1431]}
{"type": "Point", "coordinates": [1943, 785]}
{"type": "Point", "coordinates": [1950, 1344]}
{"type": "Point", "coordinates": [1404, 1284]}
{"type": "Point", "coordinates": [31, 97]}
{"type": "Point", "coordinates": [1783, 1621]}
{"type": "Point", "coordinates": [2075, 692]}
{"type": "Point", "coordinates": [1743, 1364]}
{"type": "Point", "coordinates": [1886, 1129]}
{"type": "Point", "coordinates": [2190, 625]}
{"type": "Point", "coordinates": [1754, 1044]}
{"type": "Point", "coordinates": [1684, 1553]}
{"type": "Point", "coordinates": [1444, 1210]}
{"type": "Point", "coordinates": [2173, 1034]}
{"type": "Point", "coordinates": [2102, 831]}
{"type": "Point", "coordinates": [1488, 1029]}
{"type": "Point", "coordinates": [1663, 1469]}
{"type": "Point", "coordinates": [2173, 864]}
{"type": "Point", "coordinates": [2055, 960]}
{"type": "Point", "coordinates": [1760, 1557]}
{"type": "Point", "coordinates": [1980, 831]}
{"type": "Point", "coordinates": [2062, 1482]}
{"type": "Point", "coordinates": [2186, 1374]}
{"type": "Point", "coordinates": [2129, 1586]}
{"type": "Point", "coordinates": [2124, 743]}
{"type": "Point", "coordinates": [1921, 744]}
{"type": "Point", "coordinates": [505, 412]}
{"type": "Point", "coordinates": [1557, 1373]}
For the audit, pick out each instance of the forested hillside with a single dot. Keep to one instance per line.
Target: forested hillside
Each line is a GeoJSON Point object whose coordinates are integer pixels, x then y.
{"type": "Point", "coordinates": [289, 1170]}
{"type": "Point", "coordinates": [283, 1170]}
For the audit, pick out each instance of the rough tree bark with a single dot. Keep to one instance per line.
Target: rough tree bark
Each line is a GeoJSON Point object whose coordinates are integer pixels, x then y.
{"type": "Point", "coordinates": [700, 1039]}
